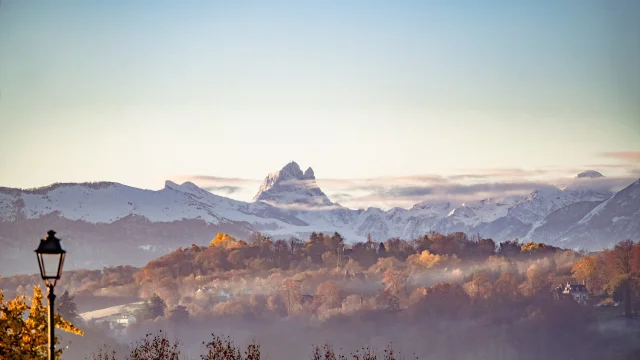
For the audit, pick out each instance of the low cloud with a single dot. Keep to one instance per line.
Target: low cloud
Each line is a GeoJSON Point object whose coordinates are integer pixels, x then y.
{"type": "Point", "coordinates": [406, 191]}
{"type": "Point", "coordinates": [215, 180]}
{"type": "Point", "coordinates": [227, 189]}
{"type": "Point", "coordinates": [623, 155]}
{"type": "Point", "coordinates": [458, 189]}
{"type": "Point", "coordinates": [505, 172]}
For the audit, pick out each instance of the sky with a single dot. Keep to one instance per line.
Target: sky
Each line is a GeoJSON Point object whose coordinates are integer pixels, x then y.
{"type": "Point", "coordinates": [140, 92]}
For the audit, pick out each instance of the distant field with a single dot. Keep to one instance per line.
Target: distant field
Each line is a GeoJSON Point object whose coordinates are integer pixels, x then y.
{"type": "Point", "coordinates": [111, 311]}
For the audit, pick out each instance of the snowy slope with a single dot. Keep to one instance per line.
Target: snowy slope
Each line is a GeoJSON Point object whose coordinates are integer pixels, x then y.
{"type": "Point", "coordinates": [109, 202]}
{"type": "Point", "coordinates": [289, 203]}
{"type": "Point", "coordinates": [615, 219]}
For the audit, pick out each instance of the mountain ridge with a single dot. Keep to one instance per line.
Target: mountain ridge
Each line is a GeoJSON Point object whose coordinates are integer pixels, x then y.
{"type": "Point", "coordinates": [289, 203]}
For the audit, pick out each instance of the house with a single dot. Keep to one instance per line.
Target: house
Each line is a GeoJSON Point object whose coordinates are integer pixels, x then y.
{"type": "Point", "coordinates": [214, 291]}
{"type": "Point", "coordinates": [125, 320]}
{"type": "Point", "coordinates": [577, 292]}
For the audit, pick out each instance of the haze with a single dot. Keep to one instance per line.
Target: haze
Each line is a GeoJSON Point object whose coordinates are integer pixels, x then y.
{"type": "Point", "coordinates": [139, 92]}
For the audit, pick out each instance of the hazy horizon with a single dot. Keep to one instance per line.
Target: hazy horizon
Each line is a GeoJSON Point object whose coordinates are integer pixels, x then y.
{"type": "Point", "coordinates": [361, 90]}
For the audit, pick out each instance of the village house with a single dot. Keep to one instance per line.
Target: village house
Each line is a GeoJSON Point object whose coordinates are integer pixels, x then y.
{"type": "Point", "coordinates": [125, 320]}
{"type": "Point", "coordinates": [577, 292]}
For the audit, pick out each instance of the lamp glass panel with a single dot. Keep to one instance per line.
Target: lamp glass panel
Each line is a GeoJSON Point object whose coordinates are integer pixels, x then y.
{"type": "Point", "coordinates": [50, 263]}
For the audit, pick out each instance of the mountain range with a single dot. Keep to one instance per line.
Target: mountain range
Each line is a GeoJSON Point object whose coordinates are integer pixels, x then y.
{"type": "Point", "coordinates": [108, 223]}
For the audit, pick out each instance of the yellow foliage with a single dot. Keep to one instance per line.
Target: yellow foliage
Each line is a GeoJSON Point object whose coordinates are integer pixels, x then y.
{"type": "Point", "coordinates": [587, 270]}
{"type": "Point", "coordinates": [427, 260]}
{"type": "Point", "coordinates": [223, 241]}
{"type": "Point", "coordinates": [531, 246]}
{"type": "Point", "coordinates": [28, 338]}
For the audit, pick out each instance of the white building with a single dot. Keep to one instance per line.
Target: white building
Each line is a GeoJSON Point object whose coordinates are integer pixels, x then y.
{"type": "Point", "coordinates": [125, 320]}
{"type": "Point", "coordinates": [578, 292]}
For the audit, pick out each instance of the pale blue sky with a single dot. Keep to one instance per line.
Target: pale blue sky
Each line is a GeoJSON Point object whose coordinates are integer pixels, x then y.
{"type": "Point", "coordinates": [141, 91]}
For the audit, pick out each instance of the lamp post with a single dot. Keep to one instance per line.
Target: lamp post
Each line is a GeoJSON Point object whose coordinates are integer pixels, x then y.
{"type": "Point", "coordinates": [50, 259]}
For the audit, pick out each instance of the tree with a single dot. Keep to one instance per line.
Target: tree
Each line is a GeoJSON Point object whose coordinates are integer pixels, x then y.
{"type": "Point", "coordinates": [258, 239]}
{"type": "Point", "coordinates": [538, 280]}
{"type": "Point", "coordinates": [291, 290]}
{"type": "Point", "coordinates": [486, 247]}
{"type": "Point", "coordinates": [67, 307]}
{"type": "Point", "coordinates": [507, 286]}
{"type": "Point", "coordinates": [329, 294]}
{"type": "Point", "coordinates": [224, 349]}
{"type": "Point", "coordinates": [509, 249]}
{"type": "Point", "coordinates": [425, 260]}
{"type": "Point", "coordinates": [223, 241]}
{"type": "Point", "coordinates": [295, 245]}
{"type": "Point", "coordinates": [153, 308]}
{"type": "Point", "coordinates": [158, 347]}
{"type": "Point", "coordinates": [27, 338]}
{"type": "Point", "coordinates": [621, 263]}
{"type": "Point", "coordinates": [334, 241]}
{"type": "Point", "coordinates": [589, 270]}
{"type": "Point", "coordinates": [441, 300]}
{"type": "Point", "coordinates": [382, 251]}
{"type": "Point", "coordinates": [329, 258]}
{"type": "Point", "coordinates": [396, 281]}
{"type": "Point", "coordinates": [480, 286]}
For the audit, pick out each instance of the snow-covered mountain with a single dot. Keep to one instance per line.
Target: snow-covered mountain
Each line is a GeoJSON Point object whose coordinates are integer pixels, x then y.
{"type": "Point", "coordinates": [109, 223]}
{"type": "Point", "coordinates": [615, 219]}
{"type": "Point", "coordinates": [112, 224]}
{"type": "Point", "coordinates": [107, 202]}
{"type": "Point", "coordinates": [290, 187]}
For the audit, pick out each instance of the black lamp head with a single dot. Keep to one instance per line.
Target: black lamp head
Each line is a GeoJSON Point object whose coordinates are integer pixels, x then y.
{"type": "Point", "coordinates": [51, 256]}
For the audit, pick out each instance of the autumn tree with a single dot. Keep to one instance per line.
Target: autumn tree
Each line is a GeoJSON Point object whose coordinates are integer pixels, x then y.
{"type": "Point", "coordinates": [27, 337]}
{"type": "Point", "coordinates": [396, 281]}
{"type": "Point", "coordinates": [334, 241]}
{"type": "Point", "coordinates": [427, 260]}
{"type": "Point", "coordinates": [398, 248]}
{"type": "Point", "coordinates": [623, 265]}
{"type": "Point", "coordinates": [291, 292]}
{"type": "Point", "coordinates": [363, 255]}
{"type": "Point", "coordinates": [538, 280]}
{"type": "Point", "coordinates": [506, 287]}
{"type": "Point", "coordinates": [226, 241]}
{"type": "Point", "coordinates": [590, 270]}
{"type": "Point", "coordinates": [258, 239]}
{"type": "Point", "coordinates": [480, 286]}
{"type": "Point", "coordinates": [486, 248]}
{"type": "Point", "coordinates": [329, 294]}
{"type": "Point", "coordinates": [441, 300]}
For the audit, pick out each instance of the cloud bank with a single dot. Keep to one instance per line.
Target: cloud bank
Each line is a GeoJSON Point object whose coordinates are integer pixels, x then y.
{"type": "Point", "coordinates": [406, 191]}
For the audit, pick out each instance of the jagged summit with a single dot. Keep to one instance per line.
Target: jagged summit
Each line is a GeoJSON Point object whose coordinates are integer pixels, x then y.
{"type": "Point", "coordinates": [591, 174]}
{"type": "Point", "coordinates": [309, 175]}
{"type": "Point", "coordinates": [290, 186]}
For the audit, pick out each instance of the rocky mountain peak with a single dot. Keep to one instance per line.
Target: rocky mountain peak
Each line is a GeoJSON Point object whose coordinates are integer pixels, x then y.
{"type": "Point", "coordinates": [290, 186]}
{"type": "Point", "coordinates": [290, 171]}
{"type": "Point", "coordinates": [309, 175]}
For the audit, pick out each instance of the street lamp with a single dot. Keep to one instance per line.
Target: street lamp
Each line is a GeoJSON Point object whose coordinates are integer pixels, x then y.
{"type": "Point", "coordinates": [50, 259]}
